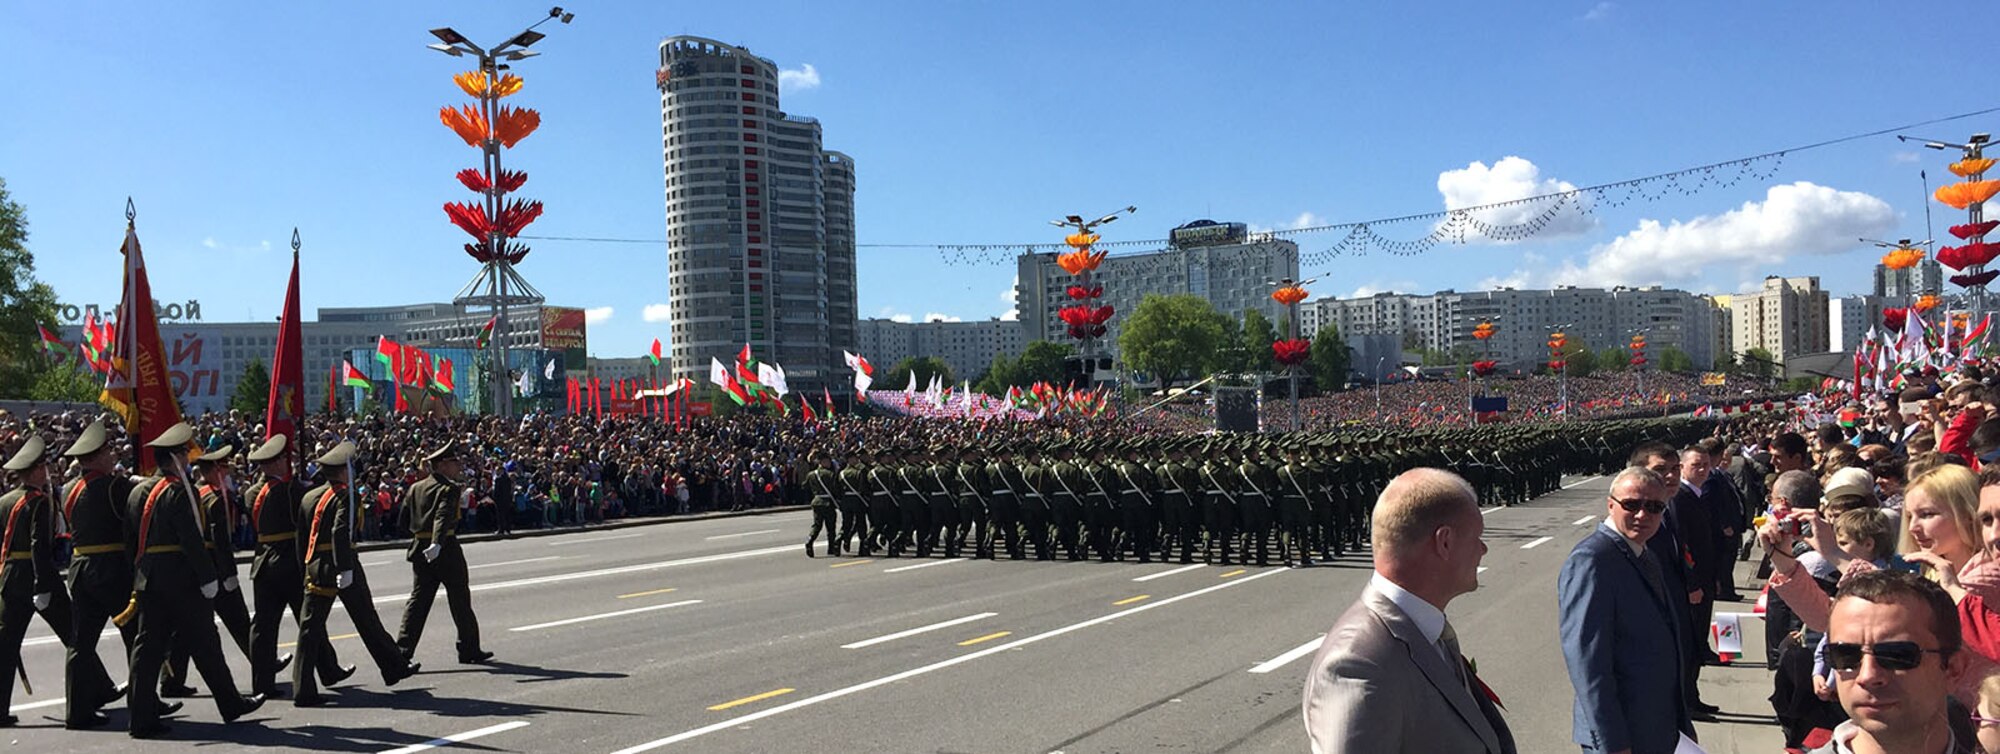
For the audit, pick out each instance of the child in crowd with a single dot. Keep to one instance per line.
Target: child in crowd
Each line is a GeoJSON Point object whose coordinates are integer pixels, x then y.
{"type": "Point", "coordinates": [1864, 535]}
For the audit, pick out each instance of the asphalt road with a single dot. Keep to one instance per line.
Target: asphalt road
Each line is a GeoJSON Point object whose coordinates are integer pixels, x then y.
{"type": "Point", "coordinates": [721, 636]}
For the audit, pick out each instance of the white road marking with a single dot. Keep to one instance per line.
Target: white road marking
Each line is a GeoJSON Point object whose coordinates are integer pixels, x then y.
{"type": "Point", "coordinates": [373, 563]}
{"type": "Point", "coordinates": [1295, 653]}
{"type": "Point", "coordinates": [436, 743]}
{"type": "Point", "coordinates": [1536, 543]}
{"type": "Point", "coordinates": [1164, 574]}
{"type": "Point", "coordinates": [1583, 481]}
{"type": "Point", "coordinates": [742, 534]}
{"type": "Point", "coordinates": [108, 633]}
{"type": "Point", "coordinates": [34, 705]}
{"type": "Point", "coordinates": [936, 666]}
{"type": "Point", "coordinates": [901, 569]}
{"type": "Point", "coordinates": [602, 616]}
{"type": "Point", "coordinates": [512, 562]}
{"type": "Point", "coordinates": [1584, 520]}
{"type": "Point", "coordinates": [562, 577]}
{"type": "Point", "coordinates": [917, 630]}
{"type": "Point", "coordinates": [1490, 509]}
{"type": "Point", "coordinates": [560, 541]}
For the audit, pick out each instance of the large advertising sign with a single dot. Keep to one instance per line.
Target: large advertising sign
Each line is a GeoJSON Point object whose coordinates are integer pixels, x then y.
{"type": "Point", "coordinates": [562, 328]}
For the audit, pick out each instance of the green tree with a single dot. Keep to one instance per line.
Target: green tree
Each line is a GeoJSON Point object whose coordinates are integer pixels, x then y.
{"type": "Point", "coordinates": [1802, 384]}
{"type": "Point", "coordinates": [1757, 362]}
{"type": "Point", "coordinates": [1330, 359]}
{"type": "Point", "coordinates": [64, 382]}
{"type": "Point", "coordinates": [1613, 359]}
{"type": "Point", "coordinates": [1582, 361]}
{"type": "Point", "coordinates": [1675, 360]}
{"type": "Point", "coordinates": [1258, 335]}
{"type": "Point", "coordinates": [253, 390]}
{"type": "Point", "coordinates": [923, 366]}
{"type": "Point", "coordinates": [1041, 361]}
{"type": "Point", "coordinates": [1004, 372]}
{"type": "Point", "coordinates": [25, 302]}
{"type": "Point", "coordinates": [1173, 337]}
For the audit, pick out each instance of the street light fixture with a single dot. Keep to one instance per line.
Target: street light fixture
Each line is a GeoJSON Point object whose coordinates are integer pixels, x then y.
{"type": "Point", "coordinates": [1297, 292]}
{"type": "Point", "coordinates": [1086, 351]}
{"type": "Point", "coordinates": [1562, 375]}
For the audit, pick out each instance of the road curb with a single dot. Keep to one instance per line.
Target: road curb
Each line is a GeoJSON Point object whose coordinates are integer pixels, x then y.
{"type": "Point", "coordinates": [244, 557]}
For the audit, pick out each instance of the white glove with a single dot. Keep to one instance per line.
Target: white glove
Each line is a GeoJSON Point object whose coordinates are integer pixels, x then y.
{"type": "Point", "coordinates": [344, 580]}
{"type": "Point", "coordinates": [208, 590]}
{"type": "Point", "coordinates": [230, 584]}
{"type": "Point", "coordinates": [42, 601]}
{"type": "Point", "coordinates": [432, 552]}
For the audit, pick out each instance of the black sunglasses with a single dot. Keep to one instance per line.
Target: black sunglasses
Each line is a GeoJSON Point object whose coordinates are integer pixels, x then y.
{"type": "Point", "coordinates": [1654, 507]}
{"type": "Point", "coordinates": [1891, 655]}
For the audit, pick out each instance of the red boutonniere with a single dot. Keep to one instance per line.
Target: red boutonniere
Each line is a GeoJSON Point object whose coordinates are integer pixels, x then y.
{"type": "Point", "coordinates": [1472, 671]}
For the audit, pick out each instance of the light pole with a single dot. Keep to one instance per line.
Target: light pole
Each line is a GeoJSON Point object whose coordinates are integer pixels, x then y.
{"type": "Point", "coordinates": [1290, 294]}
{"type": "Point", "coordinates": [498, 274]}
{"type": "Point", "coordinates": [1558, 341]}
{"type": "Point", "coordinates": [1482, 332]}
{"type": "Point", "coordinates": [1971, 167]}
{"type": "Point", "coordinates": [1903, 254]}
{"type": "Point", "coordinates": [1378, 387]}
{"type": "Point", "coordinates": [1080, 242]}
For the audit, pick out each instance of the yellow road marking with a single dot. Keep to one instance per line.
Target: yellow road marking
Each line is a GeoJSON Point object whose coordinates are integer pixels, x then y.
{"type": "Point", "coordinates": [1237, 572]}
{"type": "Point", "coordinates": [336, 637]}
{"type": "Point", "coordinates": [851, 563]}
{"type": "Point", "coordinates": [749, 699]}
{"type": "Point", "coordinates": [1130, 600]}
{"type": "Point", "coordinates": [988, 637]}
{"type": "Point", "coordinates": [646, 594]}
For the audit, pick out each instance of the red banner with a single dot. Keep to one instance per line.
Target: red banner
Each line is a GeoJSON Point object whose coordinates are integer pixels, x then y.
{"type": "Point", "coordinates": [701, 408]}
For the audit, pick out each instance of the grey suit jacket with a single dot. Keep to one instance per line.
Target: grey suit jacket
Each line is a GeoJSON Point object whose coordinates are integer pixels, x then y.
{"type": "Point", "coordinates": [1377, 686]}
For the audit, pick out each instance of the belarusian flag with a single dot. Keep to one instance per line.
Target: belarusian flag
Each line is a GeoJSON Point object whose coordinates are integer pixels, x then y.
{"type": "Point", "coordinates": [442, 381]}
{"type": "Point", "coordinates": [719, 374]}
{"type": "Point", "coordinates": [827, 395]}
{"type": "Point", "coordinates": [485, 334]}
{"type": "Point", "coordinates": [746, 374]}
{"type": "Point", "coordinates": [352, 377]}
{"type": "Point", "coordinates": [806, 406]}
{"type": "Point", "coordinates": [655, 355]}
{"type": "Point", "coordinates": [52, 344]}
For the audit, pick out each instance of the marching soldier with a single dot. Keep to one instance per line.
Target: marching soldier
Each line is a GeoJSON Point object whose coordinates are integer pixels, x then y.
{"type": "Point", "coordinates": [820, 484]}
{"type": "Point", "coordinates": [100, 576]}
{"type": "Point", "coordinates": [973, 487]}
{"type": "Point", "coordinates": [1138, 503]}
{"type": "Point", "coordinates": [1259, 481]}
{"type": "Point", "coordinates": [884, 509]}
{"type": "Point", "coordinates": [938, 490]}
{"type": "Point", "coordinates": [1100, 519]}
{"type": "Point", "coordinates": [1003, 477]}
{"type": "Point", "coordinates": [1218, 513]}
{"type": "Point", "coordinates": [174, 580]}
{"type": "Point", "coordinates": [1066, 506]}
{"type": "Point", "coordinates": [1034, 485]}
{"type": "Point", "coordinates": [277, 574]}
{"type": "Point", "coordinates": [29, 578]}
{"type": "Point", "coordinates": [1295, 508]}
{"type": "Point", "coordinates": [437, 559]}
{"type": "Point", "coordinates": [1180, 519]}
{"type": "Point", "coordinates": [853, 478]}
{"type": "Point", "coordinates": [219, 510]}
{"type": "Point", "coordinates": [913, 506]}
{"type": "Point", "coordinates": [332, 570]}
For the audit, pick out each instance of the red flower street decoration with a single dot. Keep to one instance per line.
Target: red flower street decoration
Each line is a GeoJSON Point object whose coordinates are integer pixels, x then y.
{"type": "Point", "coordinates": [1961, 257]}
{"type": "Point", "coordinates": [1081, 332]}
{"type": "Point", "coordinates": [1085, 315]}
{"type": "Point", "coordinates": [1970, 231]}
{"type": "Point", "coordinates": [1080, 293]}
{"type": "Point", "coordinates": [510, 180]}
{"type": "Point", "coordinates": [515, 252]}
{"type": "Point", "coordinates": [1292, 352]}
{"type": "Point", "coordinates": [1894, 319]}
{"type": "Point", "coordinates": [1638, 361]}
{"type": "Point", "coordinates": [1485, 368]}
{"type": "Point", "coordinates": [1969, 281]}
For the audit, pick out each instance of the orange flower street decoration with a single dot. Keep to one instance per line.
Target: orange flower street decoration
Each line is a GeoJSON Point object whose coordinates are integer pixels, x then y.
{"type": "Point", "coordinates": [1485, 368]}
{"type": "Point", "coordinates": [1289, 295]}
{"type": "Point", "coordinates": [1080, 240]}
{"type": "Point", "coordinates": [1966, 194]}
{"type": "Point", "coordinates": [474, 84]}
{"type": "Point", "coordinates": [1925, 303]}
{"type": "Point", "coordinates": [1970, 167]}
{"type": "Point", "coordinates": [466, 121]}
{"type": "Point", "coordinates": [1902, 259]}
{"type": "Point", "coordinates": [1291, 353]}
{"type": "Point", "coordinates": [1894, 318]}
{"type": "Point", "coordinates": [514, 124]}
{"type": "Point", "coordinates": [1484, 330]}
{"type": "Point", "coordinates": [1080, 261]}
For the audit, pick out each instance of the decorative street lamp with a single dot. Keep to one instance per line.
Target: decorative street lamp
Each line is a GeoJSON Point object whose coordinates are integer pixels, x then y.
{"type": "Point", "coordinates": [1086, 319]}
{"type": "Point", "coordinates": [1969, 194]}
{"type": "Point", "coordinates": [1293, 351]}
{"type": "Point", "coordinates": [1558, 340]}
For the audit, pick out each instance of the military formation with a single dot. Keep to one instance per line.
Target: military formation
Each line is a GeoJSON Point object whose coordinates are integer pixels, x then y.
{"type": "Point", "coordinates": [153, 556]}
{"type": "Point", "coordinates": [1225, 499]}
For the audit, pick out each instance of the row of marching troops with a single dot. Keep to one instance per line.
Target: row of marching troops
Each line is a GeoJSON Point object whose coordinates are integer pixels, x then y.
{"type": "Point", "coordinates": [1167, 498]}
{"type": "Point", "coordinates": [152, 555]}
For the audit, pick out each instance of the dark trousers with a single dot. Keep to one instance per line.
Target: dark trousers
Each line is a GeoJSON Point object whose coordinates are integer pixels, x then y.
{"type": "Point", "coordinates": [1067, 515]}
{"type": "Point", "coordinates": [171, 615]}
{"type": "Point", "coordinates": [1141, 526]}
{"type": "Point", "coordinates": [853, 524]}
{"type": "Point", "coordinates": [825, 518]}
{"type": "Point", "coordinates": [449, 572]}
{"type": "Point", "coordinates": [277, 588]}
{"type": "Point", "coordinates": [1035, 525]}
{"type": "Point", "coordinates": [1004, 513]}
{"type": "Point", "coordinates": [100, 586]}
{"type": "Point", "coordinates": [17, 610]}
{"type": "Point", "coordinates": [235, 617]}
{"type": "Point", "coordinates": [1219, 517]}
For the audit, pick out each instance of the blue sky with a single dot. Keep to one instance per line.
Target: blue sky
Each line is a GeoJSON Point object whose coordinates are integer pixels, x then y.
{"type": "Point", "coordinates": [230, 124]}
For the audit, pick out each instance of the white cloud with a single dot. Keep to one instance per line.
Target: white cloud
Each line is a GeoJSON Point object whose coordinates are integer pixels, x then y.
{"type": "Point", "coordinates": [210, 243]}
{"type": "Point", "coordinates": [1305, 220]}
{"type": "Point", "coordinates": [806, 77]}
{"type": "Point", "coordinates": [1509, 179]}
{"type": "Point", "coordinates": [1600, 11]}
{"type": "Point", "coordinates": [1796, 219]}
{"type": "Point", "coordinates": [654, 313]}
{"type": "Point", "coordinates": [599, 314]}
{"type": "Point", "coordinates": [1906, 157]}
{"type": "Point", "coordinates": [1373, 287]}
{"type": "Point", "coordinates": [1010, 297]}
{"type": "Point", "coordinates": [901, 318]}
{"type": "Point", "coordinates": [936, 317]}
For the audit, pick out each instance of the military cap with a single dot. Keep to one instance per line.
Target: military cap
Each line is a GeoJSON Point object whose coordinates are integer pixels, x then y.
{"type": "Point", "coordinates": [91, 441]}
{"type": "Point", "coordinates": [216, 452]}
{"type": "Point", "coordinates": [177, 436]}
{"type": "Point", "coordinates": [339, 456]}
{"type": "Point", "coordinates": [269, 451]}
{"type": "Point", "coordinates": [448, 452]}
{"type": "Point", "coordinates": [29, 456]}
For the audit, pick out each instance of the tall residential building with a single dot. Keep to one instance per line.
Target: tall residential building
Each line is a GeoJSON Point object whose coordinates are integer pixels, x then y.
{"type": "Point", "coordinates": [1599, 318]}
{"type": "Point", "coordinates": [1233, 276]}
{"type": "Point", "coordinates": [967, 347]}
{"type": "Point", "coordinates": [1850, 318]}
{"type": "Point", "coordinates": [1787, 317]}
{"type": "Point", "coordinates": [1926, 277]}
{"type": "Point", "coordinates": [760, 219]}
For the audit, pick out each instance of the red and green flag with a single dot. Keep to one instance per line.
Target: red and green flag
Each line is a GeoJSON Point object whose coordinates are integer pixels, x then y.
{"type": "Point", "coordinates": [352, 377]}
{"type": "Point", "coordinates": [656, 355]}
{"type": "Point", "coordinates": [485, 334]}
{"type": "Point", "coordinates": [442, 381]}
{"type": "Point", "coordinates": [52, 344]}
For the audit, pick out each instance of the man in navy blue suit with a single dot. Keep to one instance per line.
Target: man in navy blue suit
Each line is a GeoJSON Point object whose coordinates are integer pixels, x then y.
{"type": "Point", "coordinates": [1623, 640]}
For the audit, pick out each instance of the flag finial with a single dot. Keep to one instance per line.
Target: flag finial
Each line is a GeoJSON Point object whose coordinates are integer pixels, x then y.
{"type": "Point", "coordinates": [131, 212]}
{"type": "Point", "coordinates": [295, 239]}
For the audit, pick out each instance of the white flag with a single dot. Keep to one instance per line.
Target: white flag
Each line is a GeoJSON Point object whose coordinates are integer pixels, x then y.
{"type": "Point", "coordinates": [858, 364]}
{"type": "Point", "coordinates": [717, 373]}
{"type": "Point", "coordinates": [773, 377]}
{"type": "Point", "coordinates": [521, 386]}
{"type": "Point", "coordinates": [861, 383]}
{"type": "Point", "coordinates": [549, 372]}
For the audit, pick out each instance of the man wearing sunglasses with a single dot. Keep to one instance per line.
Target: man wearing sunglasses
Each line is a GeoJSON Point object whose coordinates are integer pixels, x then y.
{"type": "Point", "coordinates": [1893, 643]}
{"type": "Point", "coordinates": [1623, 640]}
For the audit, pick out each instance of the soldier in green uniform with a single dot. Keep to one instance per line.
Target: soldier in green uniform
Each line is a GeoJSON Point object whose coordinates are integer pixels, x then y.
{"type": "Point", "coordinates": [1138, 504]}
{"type": "Point", "coordinates": [1295, 508]}
{"type": "Point", "coordinates": [884, 508]}
{"type": "Point", "coordinates": [1100, 512]}
{"type": "Point", "coordinates": [940, 493]}
{"type": "Point", "coordinates": [219, 512]}
{"type": "Point", "coordinates": [853, 506]}
{"type": "Point", "coordinates": [1036, 481]}
{"type": "Point", "coordinates": [1066, 500]}
{"type": "Point", "coordinates": [1328, 502]}
{"type": "Point", "coordinates": [100, 575]}
{"type": "Point", "coordinates": [436, 558]}
{"type": "Point", "coordinates": [277, 575]}
{"type": "Point", "coordinates": [174, 579]}
{"type": "Point", "coordinates": [913, 505]}
{"type": "Point", "coordinates": [1259, 481]}
{"type": "Point", "coordinates": [969, 479]}
{"type": "Point", "coordinates": [29, 577]}
{"type": "Point", "coordinates": [822, 484]}
{"type": "Point", "coordinates": [1003, 501]}
{"type": "Point", "coordinates": [333, 570]}
{"type": "Point", "coordinates": [1218, 513]}
{"type": "Point", "coordinates": [1180, 518]}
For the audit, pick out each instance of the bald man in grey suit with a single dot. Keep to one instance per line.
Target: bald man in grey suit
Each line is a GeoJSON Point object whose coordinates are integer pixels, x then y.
{"type": "Point", "coordinates": [1390, 677]}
